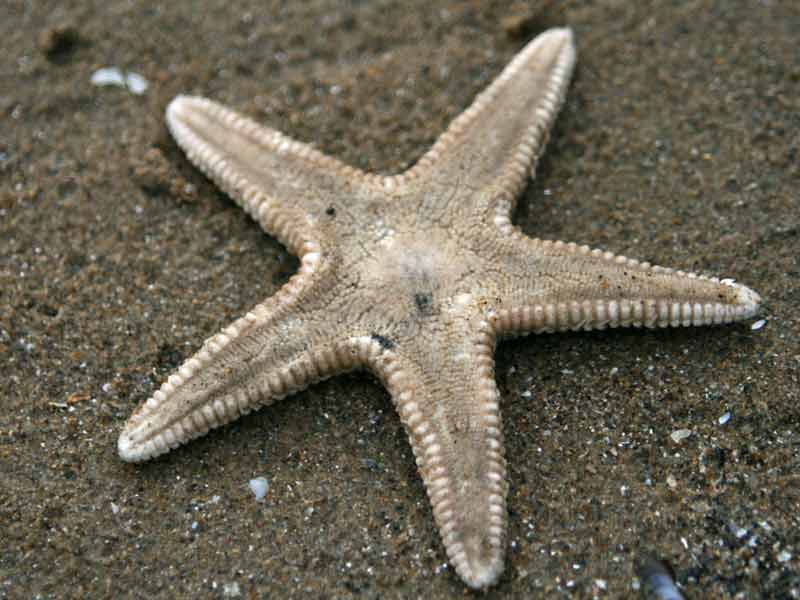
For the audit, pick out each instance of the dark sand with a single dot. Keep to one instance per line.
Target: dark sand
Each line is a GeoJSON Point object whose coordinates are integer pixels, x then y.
{"type": "Point", "coordinates": [678, 144]}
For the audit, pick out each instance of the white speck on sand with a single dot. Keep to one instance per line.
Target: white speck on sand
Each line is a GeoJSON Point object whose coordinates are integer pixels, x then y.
{"type": "Point", "coordinates": [680, 434]}
{"type": "Point", "coordinates": [259, 486]}
{"type": "Point", "coordinates": [133, 82]}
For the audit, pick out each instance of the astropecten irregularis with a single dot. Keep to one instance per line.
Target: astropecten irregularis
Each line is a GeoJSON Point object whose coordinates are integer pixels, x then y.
{"type": "Point", "coordinates": [414, 277]}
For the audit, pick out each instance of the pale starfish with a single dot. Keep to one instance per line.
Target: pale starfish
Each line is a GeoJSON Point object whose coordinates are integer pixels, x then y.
{"type": "Point", "coordinates": [414, 277]}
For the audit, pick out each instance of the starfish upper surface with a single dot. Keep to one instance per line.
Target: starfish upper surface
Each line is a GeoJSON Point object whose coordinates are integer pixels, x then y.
{"type": "Point", "coordinates": [414, 277]}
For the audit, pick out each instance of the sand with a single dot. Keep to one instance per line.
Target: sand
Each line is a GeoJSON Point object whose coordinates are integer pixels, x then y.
{"type": "Point", "coordinates": [678, 144]}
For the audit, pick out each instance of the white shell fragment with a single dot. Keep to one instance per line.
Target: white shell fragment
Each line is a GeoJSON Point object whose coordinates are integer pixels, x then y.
{"type": "Point", "coordinates": [758, 324]}
{"type": "Point", "coordinates": [136, 83]}
{"type": "Point", "coordinates": [680, 434]}
{"type": "Point", "coordinates": [259, 486]}
{"type": "Point", "coordinates": [724, 418]}
{"type": "Point", "coordinates": [231, 590]}
{"type": "Point", "coordinates": [133, 82]}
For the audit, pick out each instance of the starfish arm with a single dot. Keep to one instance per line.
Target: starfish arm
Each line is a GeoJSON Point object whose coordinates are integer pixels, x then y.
{"type": "Point", "coordinates": [494, 144]}
{"type": "Point", "coordinates": [269, 353]}
{"type": "Point", "coordinates": [553, 286]}
{"type": "Point", "coordinates": [283, 184]}
{"type": "Point", "coordinates": [444, 390]}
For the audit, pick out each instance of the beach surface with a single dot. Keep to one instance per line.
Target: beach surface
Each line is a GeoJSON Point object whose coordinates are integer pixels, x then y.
{"type": "Point", "coordinates": [678, 144]}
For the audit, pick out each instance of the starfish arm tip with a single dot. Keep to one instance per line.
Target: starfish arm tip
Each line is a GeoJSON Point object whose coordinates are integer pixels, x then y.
{"type": "Point", "coordinates": [177, 106]}
{"type": "Point", "coordinates": [126, 447]}
{"type": "Point", "coordinates": [748, 300]}
{"type": "Point", "coordinates": [482, 575]}
{"type": "Point", "coordinates": [562, 36]}
{"type": "Point", "coordinates": [137, 444]}
{"type": "Point", "coordinates": [563, 32]}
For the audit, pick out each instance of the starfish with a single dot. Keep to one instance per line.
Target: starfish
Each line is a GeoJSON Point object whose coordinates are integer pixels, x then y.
{"type": "Point", "coordinates": [414, 277]}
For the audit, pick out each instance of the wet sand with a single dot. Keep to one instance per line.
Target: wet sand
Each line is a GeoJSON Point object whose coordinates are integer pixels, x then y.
{"type": "Point", "coordinates": [678, 144]}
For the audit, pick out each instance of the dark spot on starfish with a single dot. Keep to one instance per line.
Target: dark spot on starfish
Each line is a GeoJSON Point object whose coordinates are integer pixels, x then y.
{"type": "Point", "coordinates": [424, 303]}
{"type": "Point", "coordinates": [330, 211]}
{"type": "Point", "coordinates": [385, 342]}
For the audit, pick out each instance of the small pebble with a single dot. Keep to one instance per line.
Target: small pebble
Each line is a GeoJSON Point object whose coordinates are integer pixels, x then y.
{"type": "Point", "coordinates": [515, 26]}
{"type": "Point", "coordinates": [658, 577]}
{"type": "Point", "coordinates": [739, 532]}
{"type": "Point", "coordinates": [724, 418]}
{"type": "Point", "coordinates": [758, 324]}
{"type": "Point", "coordinates": [259, 486]}
{"type": "Point", "coordinates": [57, 41]}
